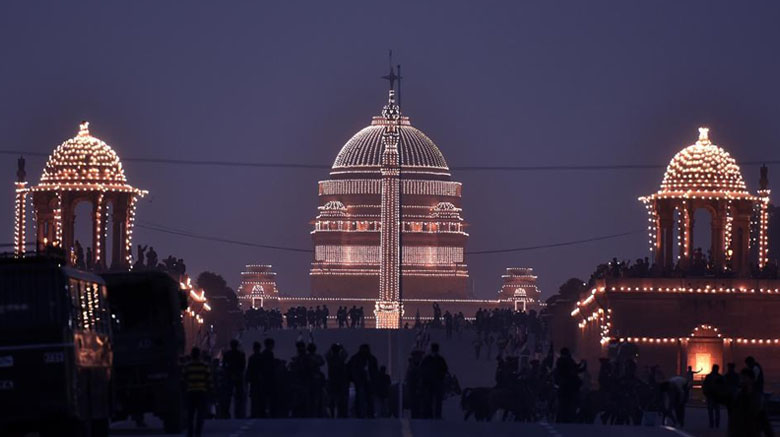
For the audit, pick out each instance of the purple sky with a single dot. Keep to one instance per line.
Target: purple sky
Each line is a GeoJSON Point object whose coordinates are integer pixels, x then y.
{"type": "Point", "coordinates": [550, 83]}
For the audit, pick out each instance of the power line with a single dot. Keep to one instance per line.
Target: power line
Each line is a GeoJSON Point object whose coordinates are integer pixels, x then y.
{"type": "Point", "coordinates": [169, 230]}
{"type": "Point", "coordinates": [283, 165]}
{"type": "Point", "coordinates": [561, 244]}
{"type": "Point", "coordinates": [223, 240]}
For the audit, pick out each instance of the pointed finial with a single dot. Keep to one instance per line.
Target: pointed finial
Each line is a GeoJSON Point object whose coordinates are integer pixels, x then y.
{"type": "Point", "coordinates": [84, 129]}
{"type": "Point", "coordinates": [391, 77]}
{"type": "Point", "coordinates": [704, 135]}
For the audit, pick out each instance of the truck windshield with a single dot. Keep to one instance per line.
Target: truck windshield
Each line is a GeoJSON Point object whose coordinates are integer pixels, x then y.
{"type": "Point", "coordinates": [141, 308]}
{"type": "Point", "coordinates": [33, 304]}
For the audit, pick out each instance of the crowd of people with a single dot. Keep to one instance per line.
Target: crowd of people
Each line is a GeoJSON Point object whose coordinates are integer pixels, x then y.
{"type": "Point", "coordinates": [302, 317]}
{"type": "Point", "coordinates": [701, 264]}
{"type": "Point", "coordinates": [309, 385]}
{"type": "Point", "coordinates": [260, 318]}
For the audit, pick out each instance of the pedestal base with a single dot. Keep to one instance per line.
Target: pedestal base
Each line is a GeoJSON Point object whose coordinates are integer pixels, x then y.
{"type": "Point", "coordinates": [388, 314]}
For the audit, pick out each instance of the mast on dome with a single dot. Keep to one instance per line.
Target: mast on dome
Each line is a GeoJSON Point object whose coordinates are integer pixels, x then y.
{"type": "Point", "coordinates": [392, 77]}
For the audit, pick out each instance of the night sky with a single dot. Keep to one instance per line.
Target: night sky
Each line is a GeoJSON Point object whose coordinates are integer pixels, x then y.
{"type": "Point", "coordinates": [492, 83]}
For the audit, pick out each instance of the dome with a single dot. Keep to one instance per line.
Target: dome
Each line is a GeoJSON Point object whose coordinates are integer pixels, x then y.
{"type": "Point", "coordinates": [417, 152]}
{"type": "Point", "coordinates": [703, 167]}
{"type": "Point", "coordinates": [83, 159]}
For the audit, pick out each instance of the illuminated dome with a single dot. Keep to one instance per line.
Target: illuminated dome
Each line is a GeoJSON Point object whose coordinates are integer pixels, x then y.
{"type": "Point", "coordinates": [84, 159]}
{"type": "Point", "coordinates": [363, 152]}
{"type": "Point", "coordinates": [705, 168]}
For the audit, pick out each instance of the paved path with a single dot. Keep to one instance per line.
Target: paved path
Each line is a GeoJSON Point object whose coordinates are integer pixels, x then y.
{"type": "Point", "coordinates": [397, 428]}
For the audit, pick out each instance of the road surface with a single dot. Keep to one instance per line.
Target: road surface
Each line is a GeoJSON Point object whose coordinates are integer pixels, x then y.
{"type": "Point", "coordinates": [401, 428]}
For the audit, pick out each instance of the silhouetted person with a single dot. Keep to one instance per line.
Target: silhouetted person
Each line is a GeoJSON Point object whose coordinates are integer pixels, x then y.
{"type": "Point", "coordinates": [79, 255]}
{"type": "Point", "coordinates": [731, 379]}
{"type": "Point", "coordinates": [382, 391]}
{"type": "Point", "coordinates": [338, 381]}
{"type": "Point", "coordinates": [254, 378]}
{"type": "Point", "coordinates": [197, 385]}
{"type": "Point", "coordinates": [139, 258]}
{"type": "Point", "coordinates": [316, 381]}
{"type": "Point", "coordinates": [758, 373]}
{"type": "Point", "coordinates": [234, 365]}
{"type": "Point", "coordinates": [267, 379]}
{"type": "Point", "coordinates": [151, 259]}
{"type": "Point", "coordinates": [745, 408]}
{"type": "Point", "coordinates": [363, 370]}
{"type": "Point", "coordinates": [566, 376]}
{"type": "Point", "coordinates": [434, 371]}
{"type": "Point", "coordinates": [711, 387]}
{"type": "Point", "coordinates": [89, 262]}
{"type": "Point", "coordinates": [414, 385]}
{"type": "Point", "coordinates": [300, 380]}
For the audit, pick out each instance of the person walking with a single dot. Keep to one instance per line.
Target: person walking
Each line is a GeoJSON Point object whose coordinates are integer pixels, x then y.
{"type": "Point", "coordinates": [234, 364]}
{"type": "Point", "coordinates": [338, 380]}
{"type": "Point", "coordinates": [566, 376]}
{"type": "Point", "coordinates": [363, 371]}
{"type": "Point", "coordinates": [197, 385]}
{"type": "Point", "coordinates": [712, 387]}
{"type": "Point", "coordinates": [254, 378]}
{"type": "Point", "coordinates": [434, 371]}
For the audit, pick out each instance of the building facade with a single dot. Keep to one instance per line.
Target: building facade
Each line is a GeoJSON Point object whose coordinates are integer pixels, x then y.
{"type": "Point", "coordinates": [688, 309]}
{"type": "Point", "coordinates": [389, 234]}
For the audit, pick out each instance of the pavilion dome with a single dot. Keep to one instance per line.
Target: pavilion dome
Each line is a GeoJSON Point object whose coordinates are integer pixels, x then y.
{"type": "Point", "coordinates": [84, 159]}
{"type": "Point", "coordinates": [703, 167]}
{"type": "Point", "coordinates": [417, 152]}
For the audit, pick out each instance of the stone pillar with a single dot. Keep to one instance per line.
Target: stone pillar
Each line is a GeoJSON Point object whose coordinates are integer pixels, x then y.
{"type": "Point", "coordinates": [99, 232]}
{"type": "Point", "coordinates": [68, 219]}
{"type": "Point", "coordinates": [388, 309]}
{"type": "Point", "coordinates": [686, 229]}
{"type": "Point", "coordinates": [44, 220]}
{"type": "Point", "coordinates": [740, 237]}
{"type": "Point", "coordinates": [20, 218]}
{"type": "Point", "coordinates": [717, 243]}
{"type": "Point", "coordinates": [119, 233]}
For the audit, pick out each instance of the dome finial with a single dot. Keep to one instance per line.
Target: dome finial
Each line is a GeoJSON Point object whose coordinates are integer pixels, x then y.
{"type": "Point", "coordinates": [84, 128]}
{"type": "Point", "coordinates": [704, 135]}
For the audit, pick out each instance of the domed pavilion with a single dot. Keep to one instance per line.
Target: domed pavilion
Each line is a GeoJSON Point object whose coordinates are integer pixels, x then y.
{"type": "Point", "coordinates": [704, 176]}
{"type": "Point", "coordinates": [691, 310]}
{"type": "Point", "coordinates": [81, 169]}
{"type": "Point", "coordinates": [389, 235]}
{"type": "Point", "coordinates": [347, 227]}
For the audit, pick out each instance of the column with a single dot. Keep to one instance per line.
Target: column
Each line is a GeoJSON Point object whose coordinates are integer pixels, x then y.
{"type": "Point", "coordinates": [20, 218]}
{"type": "Point", "coordinates": [388, 309]}
{"type": "Point", "coordinates": [119, 233]}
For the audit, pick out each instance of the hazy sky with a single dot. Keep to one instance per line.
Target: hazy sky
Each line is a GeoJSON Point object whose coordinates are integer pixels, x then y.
{"type": "Point", "coordinates": [492, 83]}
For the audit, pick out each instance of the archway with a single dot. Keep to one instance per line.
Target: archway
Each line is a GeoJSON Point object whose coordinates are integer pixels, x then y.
{"type": "Point", "coordinates": [705, 349]}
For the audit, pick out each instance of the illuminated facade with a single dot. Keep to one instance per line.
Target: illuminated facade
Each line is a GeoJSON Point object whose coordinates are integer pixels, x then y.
{"type": "Point", "coordinates": [680, 316]}
{"type": "Point", "coordinates": [389, 235]}
{"type": "Point", "coordinates": [82, 169]}
{"type": "Point", "coordinates": [258, 282]}
{"type": "Point", "coordinates": [519, 286]}
{"type": "Point", "coordinates": [347, 233]}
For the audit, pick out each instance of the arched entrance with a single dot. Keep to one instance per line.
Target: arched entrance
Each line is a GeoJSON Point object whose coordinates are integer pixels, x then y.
{"type": "Point", "coordinates": [705, 348]}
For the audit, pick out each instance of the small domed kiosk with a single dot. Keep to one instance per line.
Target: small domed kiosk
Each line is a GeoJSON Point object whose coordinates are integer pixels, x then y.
{"type": "Point", "coordinates": [704, 175]}
{"type": "Point", "coordinates": [82, 169]}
